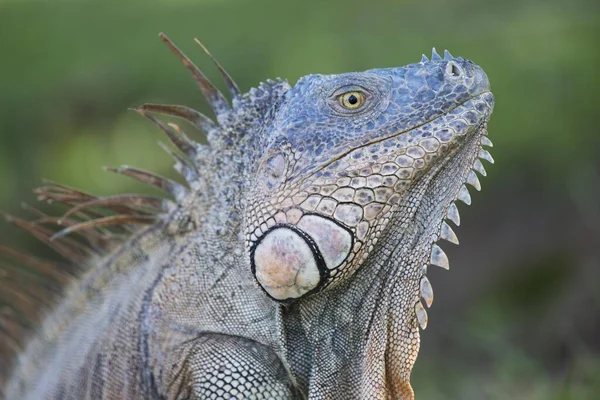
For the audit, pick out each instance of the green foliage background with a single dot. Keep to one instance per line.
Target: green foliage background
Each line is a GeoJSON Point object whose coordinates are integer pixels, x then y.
{"type": "Point", "coordinates": [518, 316]}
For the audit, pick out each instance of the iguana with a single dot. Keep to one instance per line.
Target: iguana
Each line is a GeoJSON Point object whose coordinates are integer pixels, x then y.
{"type": "Point", "coordinates": [292, 263]}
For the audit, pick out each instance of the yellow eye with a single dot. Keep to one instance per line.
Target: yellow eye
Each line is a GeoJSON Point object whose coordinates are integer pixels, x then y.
{"type": "Point", "coordinates": [352, 99]}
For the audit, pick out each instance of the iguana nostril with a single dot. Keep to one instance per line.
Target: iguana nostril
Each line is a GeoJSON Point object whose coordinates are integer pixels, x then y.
{"type": "Point", "coordinates": [453, 70]}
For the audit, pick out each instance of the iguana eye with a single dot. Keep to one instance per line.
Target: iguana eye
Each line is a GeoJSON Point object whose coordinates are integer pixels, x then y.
{"type": "Point", "coordinates": [352, 100]}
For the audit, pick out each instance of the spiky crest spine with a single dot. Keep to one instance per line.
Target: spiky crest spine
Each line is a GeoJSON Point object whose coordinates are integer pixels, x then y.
{"type": "Point", "coordinates": [94, 226]}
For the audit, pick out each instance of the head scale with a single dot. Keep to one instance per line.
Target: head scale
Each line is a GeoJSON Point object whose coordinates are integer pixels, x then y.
{"type": "Point", "coordinates": [343, 152]}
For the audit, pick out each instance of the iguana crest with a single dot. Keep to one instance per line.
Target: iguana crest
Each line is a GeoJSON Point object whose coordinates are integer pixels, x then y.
{"type": "Point", "coordinates": [291, 264]}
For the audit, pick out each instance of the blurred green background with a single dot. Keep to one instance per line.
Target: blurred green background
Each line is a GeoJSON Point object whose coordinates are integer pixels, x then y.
{"type": "Point", "coordinates": [518, 316]}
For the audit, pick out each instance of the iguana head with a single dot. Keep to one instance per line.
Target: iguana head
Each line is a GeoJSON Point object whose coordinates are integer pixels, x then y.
{"type": "Point", "coordinates": [344, 152]}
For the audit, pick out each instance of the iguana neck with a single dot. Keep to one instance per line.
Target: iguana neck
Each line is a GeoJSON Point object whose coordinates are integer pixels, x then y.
{"type": "Point", "coordinates": [349, 332]}
{"type": "Point", "coordinates": [334, 331]}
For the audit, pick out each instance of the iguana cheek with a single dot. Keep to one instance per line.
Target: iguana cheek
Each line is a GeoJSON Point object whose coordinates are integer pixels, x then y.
{"type": "Point", "coordinates": [285, 265]}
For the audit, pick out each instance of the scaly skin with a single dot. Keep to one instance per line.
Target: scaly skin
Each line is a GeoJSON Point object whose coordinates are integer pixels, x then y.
{"type": "Point", "coordinates": [294, 264]}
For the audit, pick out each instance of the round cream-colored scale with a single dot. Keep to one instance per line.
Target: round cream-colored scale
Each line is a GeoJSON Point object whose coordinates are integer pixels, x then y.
{"type": "Point", "coordinates": [290, 261]}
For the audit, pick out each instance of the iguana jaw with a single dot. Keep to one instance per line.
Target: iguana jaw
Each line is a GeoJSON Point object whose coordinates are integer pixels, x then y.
{"type": "Point", "coordinates": [441, 178]}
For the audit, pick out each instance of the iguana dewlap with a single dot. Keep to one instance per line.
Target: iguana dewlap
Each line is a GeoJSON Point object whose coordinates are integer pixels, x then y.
{"type": "Point", "coordinates": [292, 263]}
